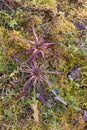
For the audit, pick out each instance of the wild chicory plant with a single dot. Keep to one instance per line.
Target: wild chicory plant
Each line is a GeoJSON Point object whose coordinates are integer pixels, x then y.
{"type": "Point", "coordinates": [38, 46]}
{"type": "Point", "coordinates": [36, 76]}
{"type": "Point", "coordinates": [35, 73]}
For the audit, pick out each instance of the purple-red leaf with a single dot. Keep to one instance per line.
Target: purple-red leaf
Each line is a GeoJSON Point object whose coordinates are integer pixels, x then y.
{"type": "Point", "coordinates": [34, 33]}
{"type": "Point", "coordinates": [26, 86]}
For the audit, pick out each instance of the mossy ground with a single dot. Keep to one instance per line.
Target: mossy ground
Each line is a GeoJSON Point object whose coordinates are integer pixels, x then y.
{"type": "Point", "coordinates": [70, 27]}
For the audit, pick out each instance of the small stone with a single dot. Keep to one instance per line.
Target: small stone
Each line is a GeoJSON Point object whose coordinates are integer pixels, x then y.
{"type": "Point", "coordinates": [74, 74]}
{"type": "Point", "coordinates": [85, 115]}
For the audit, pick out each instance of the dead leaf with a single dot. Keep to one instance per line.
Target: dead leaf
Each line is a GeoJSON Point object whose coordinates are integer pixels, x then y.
{"type": "Point", "coordinates": [36, 112]}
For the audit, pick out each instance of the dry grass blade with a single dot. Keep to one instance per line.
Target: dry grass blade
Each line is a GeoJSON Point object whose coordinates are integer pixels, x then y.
{"type": "Point", "coordinates": [59, 98]}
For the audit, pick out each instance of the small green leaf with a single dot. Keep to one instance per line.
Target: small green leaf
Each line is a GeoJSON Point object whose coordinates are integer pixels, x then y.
{"type": "Point", "coordinates": [12, 23]}
{"type": "Point", "coordinates": [2, 68]}
{"type": "Point", "coordinates": [8, 113]}
{"type": "Point", "coordinates": [77, 108]}
{"type": "Point", "coordinates": [86, 40]}
{"type": "Point", "coordinates": [72, 100]}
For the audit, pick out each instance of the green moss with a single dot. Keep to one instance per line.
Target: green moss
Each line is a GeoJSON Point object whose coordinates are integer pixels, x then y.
{"type": "Point", "coordinates": [16, 113]}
